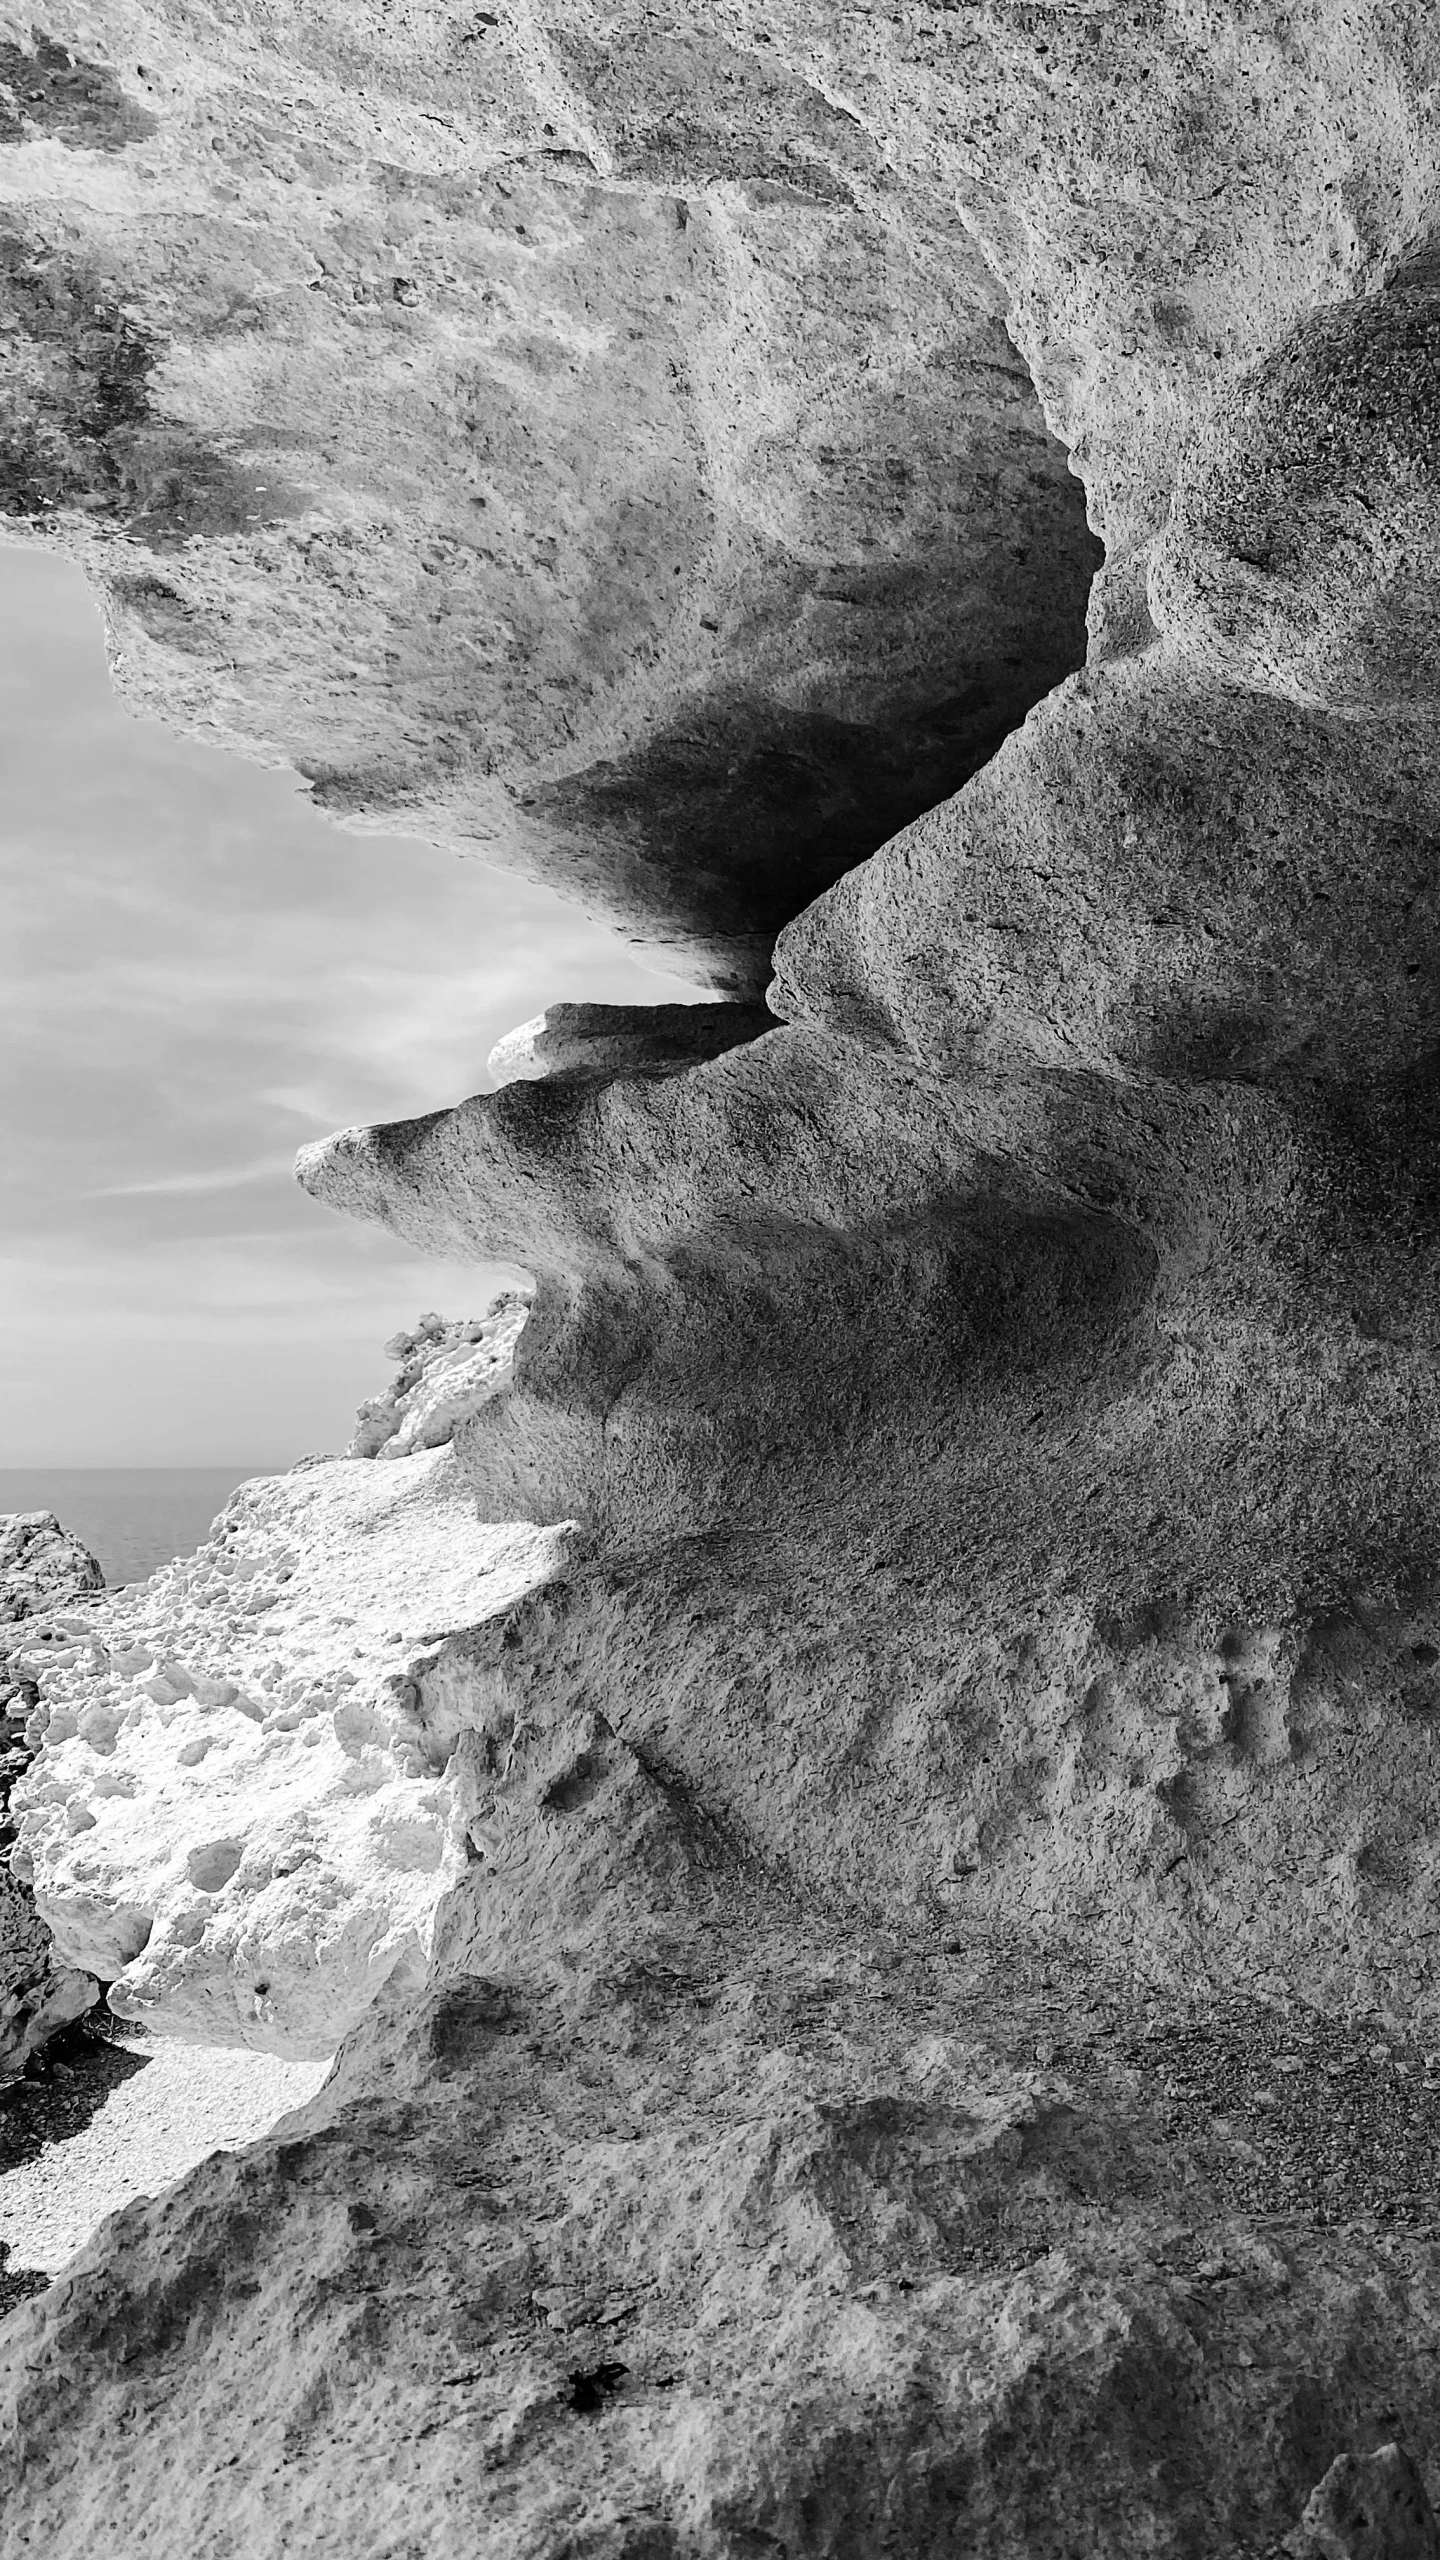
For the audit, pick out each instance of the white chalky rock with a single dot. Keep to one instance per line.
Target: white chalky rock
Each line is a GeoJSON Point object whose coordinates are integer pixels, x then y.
{"type": "Point", "coordinates": [239, 1815]}
{"type": "Point", "coordinates": [447, 1371]}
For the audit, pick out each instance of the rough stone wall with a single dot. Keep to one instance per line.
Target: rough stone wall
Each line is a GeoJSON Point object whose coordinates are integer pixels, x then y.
{"type": "Point", "coordinates": [927, 2041]}
{"type": "Point", "coordinates": [669, 2221]}
{"type": "Point", "coordinates": [628, 474]}
{"type": "Point", "coordinates": [638, 449]}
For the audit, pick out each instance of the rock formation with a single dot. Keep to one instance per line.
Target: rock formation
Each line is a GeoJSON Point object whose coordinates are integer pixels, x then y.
{"type": "Point", "coordinates": [595, 1043]}
{"type": "Point", "coordinates": [43, 1569]}
{"type": "Point", "coordinates": [241, 1819]}
{"type": "Point", "coordinates": [447, 1372]}
{"type": "Point", "coordinates": [912, 2029]}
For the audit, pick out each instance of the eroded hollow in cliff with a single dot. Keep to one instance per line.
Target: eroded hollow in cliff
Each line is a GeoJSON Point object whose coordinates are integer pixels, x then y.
{"type": "Point", "coordinates": [753, 797]}
{"type": "Point", "coordinates": [686, 620]}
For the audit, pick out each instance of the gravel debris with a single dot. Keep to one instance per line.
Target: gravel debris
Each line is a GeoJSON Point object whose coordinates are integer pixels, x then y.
{"type": "Point", "coordinates": [107, 2118]}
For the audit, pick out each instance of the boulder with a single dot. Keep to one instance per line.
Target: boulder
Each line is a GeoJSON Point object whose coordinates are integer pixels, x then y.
{"type": "Point", "coordinates": [42, 1569]}
{"type": "Point", "coordinates": [1372, 2509]}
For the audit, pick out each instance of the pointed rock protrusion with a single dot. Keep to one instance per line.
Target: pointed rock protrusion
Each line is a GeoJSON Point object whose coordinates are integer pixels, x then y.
{"type": "Point", "coordinates": [1370, 2507]}
{"type": "Point", "coordinates": [595, 1042]}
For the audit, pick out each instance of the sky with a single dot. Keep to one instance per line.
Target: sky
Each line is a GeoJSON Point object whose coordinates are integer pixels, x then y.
{"type": "Point", "coordinates": [197, 974]}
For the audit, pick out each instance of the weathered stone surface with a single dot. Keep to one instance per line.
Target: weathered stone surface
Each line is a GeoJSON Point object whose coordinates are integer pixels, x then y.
{"type": "Point", "coordinates": [672, 2219]}
{"type": "Point", "coordinates": [628, 472]}
{"type": "Point", "coordinates": [1372, 2510]}
{"type": "Point", "coordinates": [629, 475]}
{"type": "Point", "coordinates": [597, 1042]}
{"type": "Point", "coordinates": [1301, 550]}
{"type": "Point", "coordinates": [447, 1372]}
{"type": "Point", "coordinates": [42, 1568]}
{"type": "Point", "coordinates": [927, 2043]}
{"type": "Point", "coordinates": [240, 1819]}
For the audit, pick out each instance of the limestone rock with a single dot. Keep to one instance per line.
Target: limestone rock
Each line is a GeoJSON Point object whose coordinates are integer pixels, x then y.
{"type": "Point", "coordinates": [636, 451]}
{"type": "Point", "coordinates": [1368, 2510]}
{"type": "Point", "coordinates": [918, 2033]}
{"type": "Point", "coordinates": [627, 475]}
{"type": "Point", "coordinates": [1302, 546]}
{"type": "Point", "coordinates": [42, 1567]}
{"type": "Point", "coordinates": [673, 2219]}
{"type": "Point", "coordinates": [240, 1816]}
{"type": "Point", "coordinates": [448, 1372]}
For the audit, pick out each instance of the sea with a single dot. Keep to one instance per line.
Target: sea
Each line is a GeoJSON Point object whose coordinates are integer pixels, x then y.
{"type": "Point", "coordinates": [132, 1519]}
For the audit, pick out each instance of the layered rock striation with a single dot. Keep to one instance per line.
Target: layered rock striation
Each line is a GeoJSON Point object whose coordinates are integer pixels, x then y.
{"type": "Point", "coordinates": [916, 2031]}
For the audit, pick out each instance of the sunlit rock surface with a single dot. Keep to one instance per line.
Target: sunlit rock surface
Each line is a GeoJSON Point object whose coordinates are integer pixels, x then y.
{"type": "Point", "coordinates": [447, 1372]}
{"type": "Point", "coordinates": [922, 2037]}
{"type": "Point", "coordinates": [627, 473]}
{"type": "Point", "coordinates": [677, 2217]}
{"type": "Point", "coordinates": [240, 1818]}
{"type": "Point", "coordinates": [594, 1043]}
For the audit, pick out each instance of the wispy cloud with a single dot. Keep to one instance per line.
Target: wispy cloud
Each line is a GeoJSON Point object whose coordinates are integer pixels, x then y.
{"type": "Point", "coordinates": [179, 1186]}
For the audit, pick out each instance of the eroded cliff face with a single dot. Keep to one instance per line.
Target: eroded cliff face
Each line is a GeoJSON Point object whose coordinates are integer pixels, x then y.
{"type": "Point", "coordinates": [925, 2032]}
{"type": "Point", "coordinates": [639, 450]}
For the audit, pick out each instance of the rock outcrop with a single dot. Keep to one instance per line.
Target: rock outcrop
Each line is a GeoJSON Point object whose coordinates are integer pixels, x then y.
{"type": "Point", "coordinates": [911, 2026]}
{"type": "Point", "coordinates": [447, 1372]}
{"type": "Point", "coordinates": [672, 2218]}
{"type": "Point", "coordinates": [595, 1043]}
{"type": "Point", "coordinates": [43, 1569]}
{"type": "Point", "coordinates": [1378, 2506]}
{"type": "Point", "coordinates": [627, 473]}
{"type": "Point", "coordinates": [241, 1818]}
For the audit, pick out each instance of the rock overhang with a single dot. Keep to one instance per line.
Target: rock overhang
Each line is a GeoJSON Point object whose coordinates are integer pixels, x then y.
{"type": "Point", "coordinates": [242, 1817]}
{"type": "Point", "coordinates": [674, 525]}
{"type": "Point", "coordinates": [1002, 1394]}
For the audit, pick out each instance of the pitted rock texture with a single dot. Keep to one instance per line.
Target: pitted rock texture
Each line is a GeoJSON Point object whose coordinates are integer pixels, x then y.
{"type": "Point", "coordinates": [594, 1043]}
{"type": "Point", "coordinates": [1360, 2508]}
{"type": "Point", "coordinates": [672, 2221]}
{"type": "Point", "coordinates": [240, 1818]}
{"type": "Point", "coordinates": [1065, 1275]}
{"type": "Point", "coordinates": [629, 475]}
{"type": "Point", "coordinates": [1300, 552]}
{"type": "Point", "coordinates": [928, 2032]}
{"type": "Point", "coordinates": [42, 1568]}
{"type": "Point", "coordinates": [447, 1371]}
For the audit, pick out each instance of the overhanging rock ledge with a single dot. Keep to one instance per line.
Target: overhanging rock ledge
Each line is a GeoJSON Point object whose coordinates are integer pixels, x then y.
{"type": "Point", "coordinates": [924, 2039]}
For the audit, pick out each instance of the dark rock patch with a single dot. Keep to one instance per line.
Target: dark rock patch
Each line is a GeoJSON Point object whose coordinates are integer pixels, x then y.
{"type": "Point", "coordinates": [50, 90]}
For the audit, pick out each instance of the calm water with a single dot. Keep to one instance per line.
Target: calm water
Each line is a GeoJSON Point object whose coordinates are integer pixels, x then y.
{"type": "Point", "coordinates": [131, 1518]}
